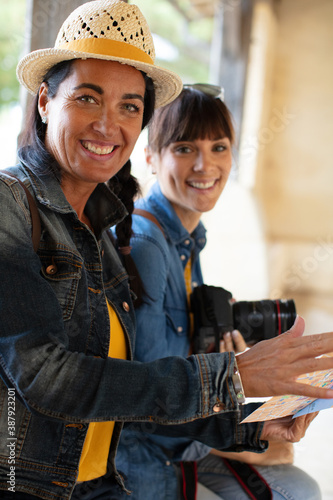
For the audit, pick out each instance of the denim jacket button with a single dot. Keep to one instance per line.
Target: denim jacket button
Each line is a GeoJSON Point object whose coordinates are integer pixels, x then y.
{"type": "Point", "coordinates": [182, 257]}
{"type": "Point", "coordinates": [218, 407]}
{"type": "Point", "coordinates": [52, 269]}
{"type": "Point", "coordinates": [179, 329]}
{"type": "Point", "coordinates": [126, 307]}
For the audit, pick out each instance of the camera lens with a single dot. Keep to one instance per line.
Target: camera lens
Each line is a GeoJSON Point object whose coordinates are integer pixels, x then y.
{"type": "Point", "coordinates": [263, 319]}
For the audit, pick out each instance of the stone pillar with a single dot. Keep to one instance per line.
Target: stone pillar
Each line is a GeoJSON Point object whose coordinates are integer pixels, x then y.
{"type": "Point", "coordinates": [43, 21]}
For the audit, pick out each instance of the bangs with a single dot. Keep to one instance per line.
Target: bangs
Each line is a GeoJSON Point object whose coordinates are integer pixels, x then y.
{"type": "Point", "coordinates": [203, 120]}
{"type": "Point", "coordinates": [193, 115]}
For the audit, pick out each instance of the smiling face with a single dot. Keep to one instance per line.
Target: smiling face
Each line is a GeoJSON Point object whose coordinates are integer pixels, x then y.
{"type": "Point", "coordinates": [192, 175]}
{"type": "Point", "coordinates": [93, 121]}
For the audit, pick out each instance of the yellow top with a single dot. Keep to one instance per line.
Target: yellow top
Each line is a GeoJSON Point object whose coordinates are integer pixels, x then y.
{"type": "Point", "coordinates": [188, 285]}
{"type": "Point", "coordinates": [188, 279]}
{"type": "Point", "coordinates": [96, 446]}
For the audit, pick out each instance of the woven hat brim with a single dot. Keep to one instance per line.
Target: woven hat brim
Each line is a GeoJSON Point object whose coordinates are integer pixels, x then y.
{"type": "Point", "coordinates": [33, 67]}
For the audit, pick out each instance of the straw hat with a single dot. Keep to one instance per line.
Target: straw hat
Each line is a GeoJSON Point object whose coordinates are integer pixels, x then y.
{"type": "Point", "coordinates": [103, 29]}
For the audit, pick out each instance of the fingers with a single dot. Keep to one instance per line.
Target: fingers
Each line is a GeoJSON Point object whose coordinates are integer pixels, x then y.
{"type": "Point", "coordinates": [300, 426]}
{"type": "Point", "coordinates": [274, 367]}
{"type": "Point", "coordinates": [233, 342]}
{"type": "Point", "coordinates": [317, 344]}
{"type": "Point", "coordinates": [298, 389]}
{"type": "Point", "coordinates": [240, 344]}
{"type": "Point", "coordinates": [298, 327]}
{"type": "Point", "coordinates": [312, 345]}
{"type": "Point", "coordinates": [226, 345]}
{"type": "Point", "coordinates": [287, 428]}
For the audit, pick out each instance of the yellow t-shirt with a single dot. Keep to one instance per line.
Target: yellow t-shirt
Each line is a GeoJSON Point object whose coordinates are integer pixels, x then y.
{"type": "Point", "coordinates": [188, 286]}
{"type": "Point", "coordinates": [96, 446]}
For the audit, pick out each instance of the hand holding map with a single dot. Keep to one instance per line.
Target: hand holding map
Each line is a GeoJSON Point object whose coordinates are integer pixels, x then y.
{"type": "Point", "coordinates": [277, 366]}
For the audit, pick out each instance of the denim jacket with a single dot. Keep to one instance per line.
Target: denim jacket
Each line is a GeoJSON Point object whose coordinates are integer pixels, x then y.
{"type": "Point", "coordinates": [161, 260]}
{"type": "Point", "coordinates": [54, 339]}
{"type": "Point", "coordinates": [162, 330]}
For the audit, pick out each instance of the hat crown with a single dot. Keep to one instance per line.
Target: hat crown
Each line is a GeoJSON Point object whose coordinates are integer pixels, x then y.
{"type": "Point", "coordinates": [109, 30]}
{"type": "Point", "coordinates": [107, 19]}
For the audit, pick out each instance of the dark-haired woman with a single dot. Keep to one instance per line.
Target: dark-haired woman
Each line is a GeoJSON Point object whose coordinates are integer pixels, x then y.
{"type": "Point", "coordinates": [66, 317]}
{"type": "Point", "coordinates": [190, 150]}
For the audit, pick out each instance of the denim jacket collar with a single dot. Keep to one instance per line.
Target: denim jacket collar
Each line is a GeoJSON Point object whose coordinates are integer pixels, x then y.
{"type": "Point", "coordinates": [104, 208]}
{"type": "Point", "coordinates": [167, 217]}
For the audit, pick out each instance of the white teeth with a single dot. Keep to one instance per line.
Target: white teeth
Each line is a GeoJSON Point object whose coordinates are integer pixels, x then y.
{"type": "Point", "coordinates": [202, 185]}
{"type": "Point", "coordinates": [98, 150]}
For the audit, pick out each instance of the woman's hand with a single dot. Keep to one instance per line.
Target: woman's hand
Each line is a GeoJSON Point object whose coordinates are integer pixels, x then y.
{"type": "Point", "coordinates": [287, 428]}
{"type": "Point", "coordinates": [233, 341]}
{"type": "Point", "coordinates": [271, 367]}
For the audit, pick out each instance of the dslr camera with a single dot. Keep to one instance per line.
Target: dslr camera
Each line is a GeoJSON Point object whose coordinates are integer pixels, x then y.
{"type": "Point", "coordinates": [215, 313]}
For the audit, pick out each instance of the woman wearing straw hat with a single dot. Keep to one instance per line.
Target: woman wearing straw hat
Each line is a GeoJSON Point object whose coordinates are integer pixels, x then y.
{"type": "Point", "coordinates": [66, 315]}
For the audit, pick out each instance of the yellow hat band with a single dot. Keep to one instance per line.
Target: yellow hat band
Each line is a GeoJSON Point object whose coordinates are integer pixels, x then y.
{"type": "Point", "coordinates": [105, 47]}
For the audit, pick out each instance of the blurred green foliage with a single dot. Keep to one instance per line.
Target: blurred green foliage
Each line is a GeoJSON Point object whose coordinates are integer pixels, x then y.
{"type": "Point", "coordinates": [192, 39]}
{"type": "Point", "coordinates": [11, 45]}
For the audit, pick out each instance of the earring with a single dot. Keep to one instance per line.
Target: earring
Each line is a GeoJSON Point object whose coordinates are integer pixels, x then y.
{"type": "Point", "coordinates": [44, 120]}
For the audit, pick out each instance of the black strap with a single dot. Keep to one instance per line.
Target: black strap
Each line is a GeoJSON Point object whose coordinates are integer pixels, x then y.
{"type": "Point", "coordinates": [36, 229]}
{"type": "Point", "coordinates": [190, 480]}
{"type": "Point", "coordinates": [249, 479]}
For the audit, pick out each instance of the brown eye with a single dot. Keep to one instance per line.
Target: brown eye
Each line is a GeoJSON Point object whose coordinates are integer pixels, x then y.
{"type": "Point", "coordinates": [132, 108]}
{"type": "Point", "coordinates": [86, 98]}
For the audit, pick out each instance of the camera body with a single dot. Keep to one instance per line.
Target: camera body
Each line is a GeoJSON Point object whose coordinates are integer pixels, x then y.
{"type": "Point", "coordinates": [215, 314]}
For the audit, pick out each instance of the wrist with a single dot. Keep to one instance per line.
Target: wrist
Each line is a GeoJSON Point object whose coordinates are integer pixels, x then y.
{"type": "Point", "coordinates": [238, 385]}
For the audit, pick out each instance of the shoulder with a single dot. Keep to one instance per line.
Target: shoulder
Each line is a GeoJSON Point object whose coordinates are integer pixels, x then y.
{"type": "Point", "coordinates": [15, 188]}
{"type": "Point", "coordinates": [13, 178]}
{"type": "Point", "coordinates": [147, 233]}
{"type": "Point", "coordinates": [7, 179]}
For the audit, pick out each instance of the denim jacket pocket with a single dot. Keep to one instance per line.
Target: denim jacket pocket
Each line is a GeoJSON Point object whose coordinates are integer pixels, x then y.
{"type": "Point", "coordinates": [62, 269]}
{"type": "Point", "coordinates": [177, 321]}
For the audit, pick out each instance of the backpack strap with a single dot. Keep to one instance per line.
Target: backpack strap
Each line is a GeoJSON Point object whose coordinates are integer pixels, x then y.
{"type": "Point", "coordinates": [148, 215]}
{"type": "Point", "coordinates": [36, 229]}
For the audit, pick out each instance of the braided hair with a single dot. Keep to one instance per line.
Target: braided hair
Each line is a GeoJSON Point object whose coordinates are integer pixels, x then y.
{"type": "Point", "coordinates": [127, 188]}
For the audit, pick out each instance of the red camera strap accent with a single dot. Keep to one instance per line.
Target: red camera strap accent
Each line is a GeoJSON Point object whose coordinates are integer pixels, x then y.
{"type": "Point", "coordinates": [279, 317]}
{"type": "Point", "coordinates": [190, 480]}
{"type": "Point", "coordinates": [250, 480]}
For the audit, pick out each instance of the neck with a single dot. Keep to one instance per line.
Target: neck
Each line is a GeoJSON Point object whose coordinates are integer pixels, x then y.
{"type": "Point", "coordinates": [188, 218]}
{"type": "Point", "coordinates": [77, 196]}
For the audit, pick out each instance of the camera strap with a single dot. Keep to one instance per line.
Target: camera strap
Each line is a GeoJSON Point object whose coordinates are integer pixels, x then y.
{"type": "Point", "coordinates": [210, 311]}
{"type": "Point", "coordinates": [249, 479]}
{"type": "Point", "coordinates": [148, 215]}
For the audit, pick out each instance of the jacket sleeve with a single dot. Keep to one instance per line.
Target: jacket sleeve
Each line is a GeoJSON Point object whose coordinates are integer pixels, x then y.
{"type": "Point", "coordinates": [224, 432]}
{"type": "Point", "coordinates": [151, 255]}
{"type": "Point", "coordinates": [69, 385]}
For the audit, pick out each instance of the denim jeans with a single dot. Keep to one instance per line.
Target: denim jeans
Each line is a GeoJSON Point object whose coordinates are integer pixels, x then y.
{"type": "Point", "coordinates": [287, 482]}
